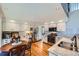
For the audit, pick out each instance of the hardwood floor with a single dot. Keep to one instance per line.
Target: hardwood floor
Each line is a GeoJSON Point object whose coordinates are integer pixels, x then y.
{"type": "Point", "coordinates": [39, 49]}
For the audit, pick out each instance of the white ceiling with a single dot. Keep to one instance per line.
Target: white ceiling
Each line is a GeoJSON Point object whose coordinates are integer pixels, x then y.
{"type": "Point", "coordinates": [33, 13]}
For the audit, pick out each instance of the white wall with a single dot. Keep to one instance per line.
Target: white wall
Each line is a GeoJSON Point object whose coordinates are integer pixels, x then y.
{"type": "Point", "coordinates": [73, 24]}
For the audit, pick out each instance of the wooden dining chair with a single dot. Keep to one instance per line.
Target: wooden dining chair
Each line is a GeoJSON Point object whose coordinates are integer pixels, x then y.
{"type": "Point", "coordinates": [17, 50]}
{"type": "Point", "coordinates": [28, 47]}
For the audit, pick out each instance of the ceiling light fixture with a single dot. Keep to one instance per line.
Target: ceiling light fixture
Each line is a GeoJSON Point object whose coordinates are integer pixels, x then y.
{"type": "Point", "coordinates": [46, 23]}
{"type": "Point", "coordinates": [26, 23]}
{"type": "Point", "coordinates": [60, 21]}
{"type": "Point", "coordinates": [12, 20]}
{"type": "Point", "coordinates": [51, 22]}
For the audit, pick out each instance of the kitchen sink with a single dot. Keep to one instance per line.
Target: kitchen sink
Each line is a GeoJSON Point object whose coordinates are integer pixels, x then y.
{"type": "Point", "coordinates": [65, 45]}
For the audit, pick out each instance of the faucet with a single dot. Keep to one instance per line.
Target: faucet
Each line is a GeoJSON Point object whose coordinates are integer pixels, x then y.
{"type": "Point", "coordinates": [75, 42]}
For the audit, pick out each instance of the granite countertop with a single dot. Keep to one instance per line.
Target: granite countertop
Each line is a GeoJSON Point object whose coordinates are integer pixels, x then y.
{"type": "Point", "coordinates": [62, 51]}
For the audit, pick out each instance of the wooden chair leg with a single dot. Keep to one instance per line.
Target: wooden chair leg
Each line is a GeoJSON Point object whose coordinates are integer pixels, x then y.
{"type": "Point", "coordinates": [30, 52]}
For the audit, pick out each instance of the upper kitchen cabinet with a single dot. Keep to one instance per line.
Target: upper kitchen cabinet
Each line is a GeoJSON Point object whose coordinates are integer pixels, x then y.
{"type": "Point", "coordinates": [52, 25]}
{"type": "Point", "coordinates": [9, 26]}
{"type": "Point", "coordinates": [61, 26]}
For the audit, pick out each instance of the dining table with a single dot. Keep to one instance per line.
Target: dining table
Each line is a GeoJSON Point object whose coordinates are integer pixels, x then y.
{"type": "Point", "coordinates": [8, 46]}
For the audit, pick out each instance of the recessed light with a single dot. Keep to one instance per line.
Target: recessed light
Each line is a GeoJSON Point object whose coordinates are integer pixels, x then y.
{"type": "Point", "coordinates": [52, 22]}
{"type": "Point", "coordinates": [12, 20]}
{"type": "Point", "coordinates": [26, 23]}
{"type": "Point", "coordinates": [46, 23]}
{"type": "Point", "coordinates": [60, 21]}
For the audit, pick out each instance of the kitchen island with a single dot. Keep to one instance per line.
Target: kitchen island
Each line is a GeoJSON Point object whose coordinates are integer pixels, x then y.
{"type": "Point", "coordinates": [55, 50]}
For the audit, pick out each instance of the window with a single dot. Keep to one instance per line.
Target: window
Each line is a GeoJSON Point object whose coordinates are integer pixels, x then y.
{"type": "Point", "coordinates": [73, 6]}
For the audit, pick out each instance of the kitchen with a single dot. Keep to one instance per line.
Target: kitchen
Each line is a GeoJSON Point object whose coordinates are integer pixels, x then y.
{"type": "Point", "coordinates": [55, 30]}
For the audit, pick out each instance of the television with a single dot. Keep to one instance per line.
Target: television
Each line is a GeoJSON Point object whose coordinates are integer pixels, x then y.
{"type": "Point", "coordinates": [54, 29]}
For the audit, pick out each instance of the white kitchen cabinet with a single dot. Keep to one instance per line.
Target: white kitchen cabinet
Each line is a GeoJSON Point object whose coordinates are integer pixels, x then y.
{"type": "Point", "coordinates": [61, 26]}
{"type": "Point", "coordinates": [52, 25]}
{"type": "Point", "coordinates": [7, 26]}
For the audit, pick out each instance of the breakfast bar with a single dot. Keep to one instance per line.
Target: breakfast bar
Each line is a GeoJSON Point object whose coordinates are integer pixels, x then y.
{"type": "Point", "coordinates": [55, 50]}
